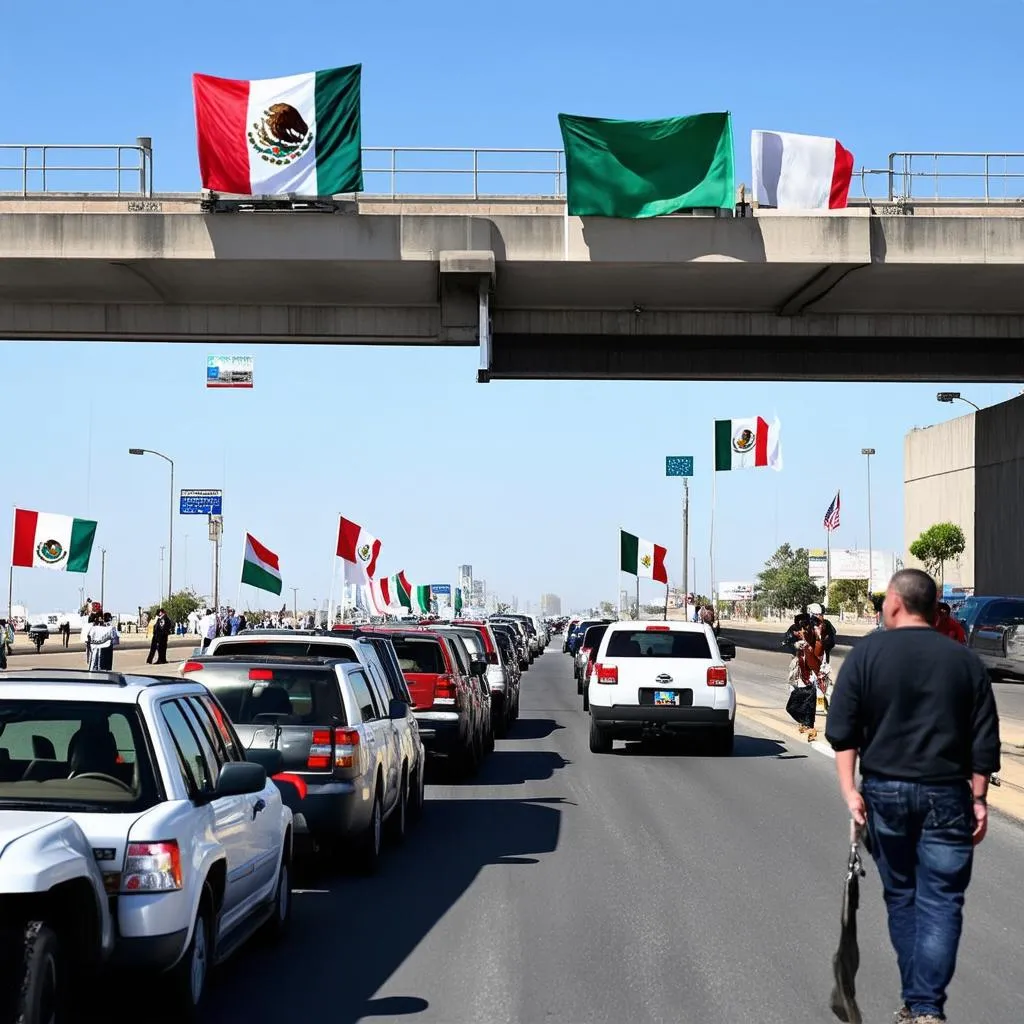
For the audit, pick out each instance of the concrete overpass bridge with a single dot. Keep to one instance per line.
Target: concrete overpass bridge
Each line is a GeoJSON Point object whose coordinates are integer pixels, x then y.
{"type": "Point", "coordinates": [895, 288]}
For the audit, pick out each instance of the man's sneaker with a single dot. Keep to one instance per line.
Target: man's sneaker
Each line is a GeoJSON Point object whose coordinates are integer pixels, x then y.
{"type": "Point", "coordinates": [903, 1015]}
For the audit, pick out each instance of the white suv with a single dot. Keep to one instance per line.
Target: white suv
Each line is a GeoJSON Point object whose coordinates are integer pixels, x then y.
{"type": "Point", "coordinates": [191, 838]}
{"type": "Point", "coordinates": [663, 678]}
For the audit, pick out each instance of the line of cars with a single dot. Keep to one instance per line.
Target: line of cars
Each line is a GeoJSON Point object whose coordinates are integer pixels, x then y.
{"type": "Point", "coordinates": [653, 679]}
{"type": "Point", "coordinates": [152, 823]}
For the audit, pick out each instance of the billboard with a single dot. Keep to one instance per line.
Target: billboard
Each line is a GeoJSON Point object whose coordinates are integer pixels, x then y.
{"type": "Point", "coordinates": [852, 564]}
{"type": "Point", "coordinates": [229, 371]}
{"type": "Point", "coordinates": [735, 591]}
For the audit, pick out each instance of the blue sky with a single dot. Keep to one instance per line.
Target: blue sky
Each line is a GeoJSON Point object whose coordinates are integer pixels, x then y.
{"type": "Point", "coordinates": [303, 446]}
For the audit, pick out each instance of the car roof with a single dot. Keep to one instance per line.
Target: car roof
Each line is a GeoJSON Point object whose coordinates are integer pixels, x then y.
{"type": "Point", "coordinates": [659, 625]}
{"type": "Point", "coordinates": [292, 661]}
{"type": "Point", "coordinates": [72, 684]}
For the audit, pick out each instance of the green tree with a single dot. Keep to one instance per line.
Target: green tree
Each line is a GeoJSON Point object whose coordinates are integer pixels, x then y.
{"type": "Point", "coordinates": [178, 606]}
{"type": "Point", "coordinates": [607, 609]}
{"type": "Point", "coordinates": [849, 595]}
{"type": "Point", "coordinates": [939, 544]}
{"type": "Point", "coordinates": [504, 608]}
{"type": "Point", "coordinates": [785, 582]}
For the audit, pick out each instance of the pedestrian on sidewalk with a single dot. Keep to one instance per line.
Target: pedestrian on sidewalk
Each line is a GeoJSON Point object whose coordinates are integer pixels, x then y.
{"type": "Point", "coordinates": [65, 633]}
{"type": "Point", "coordinates": [948, 626]}
{"type": "Point", "coordinates": [100, 643]}
{"type": "Point", "coordinates": [919, 712]}
{"type": "Point", "coordinates": [162, 629]}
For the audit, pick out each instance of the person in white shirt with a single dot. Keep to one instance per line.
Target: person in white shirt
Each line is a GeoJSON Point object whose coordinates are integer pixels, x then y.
{"type": "Point", "coordinates": [208, 627]}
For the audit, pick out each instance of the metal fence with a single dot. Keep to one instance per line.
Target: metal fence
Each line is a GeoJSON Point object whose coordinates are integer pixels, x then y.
{"type": "Point", "coordinates": [453, 172]}
{"type": "Point", "coordinates": [114, 169]}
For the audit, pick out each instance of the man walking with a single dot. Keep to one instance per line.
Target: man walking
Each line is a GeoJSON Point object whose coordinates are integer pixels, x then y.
{"type": "Point", "coordinates": [918, 710]}
{"type": "Point", "coordinates": [162, 629]}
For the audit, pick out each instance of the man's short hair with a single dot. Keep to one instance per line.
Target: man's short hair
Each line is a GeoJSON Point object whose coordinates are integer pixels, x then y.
{"type": "Point", "coordinates": [943, 607]}
{"type": "Point", "coordinates": [917, 591]}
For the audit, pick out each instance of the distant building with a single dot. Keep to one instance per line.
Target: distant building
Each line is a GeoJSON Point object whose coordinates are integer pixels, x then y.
{"type": "Point", "coordinates": [967, 471]}
{"type": "Point", "coordinates": [466, 579]}
{"type": "Point", "coordinates": [550, 605]}
{"type": "Point", "coordinates": [479, 593]}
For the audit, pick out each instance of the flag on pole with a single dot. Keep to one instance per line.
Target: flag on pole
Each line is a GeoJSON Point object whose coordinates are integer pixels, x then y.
{"type": "Point", "coordinates": [642, 558]}
{"type": "Point", "coordinates": [359, 549]}
{"type": "Point", "coordinates": [832, 515]}
{"type": "Point", "coordinates": [747, 443]}
{"type": "Point", "coordinates": [458, 601]}
{"type": "Point", "coordinates": [402, 597]}
{"type": "Point", "coordinates": [420, 600]}
{"type": "Point", "coordinates": [298, 135]}
{"type": "Point", "coordinates": [260, 566]}
{"type": "Point", "coordinates": [800, 172]}
{"type": "Point", "coordinates": [43, 540]}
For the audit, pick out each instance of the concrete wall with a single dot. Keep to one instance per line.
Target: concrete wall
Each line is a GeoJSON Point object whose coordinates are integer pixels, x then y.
{"type": "Point", "coordinates": [999, 498]}
{"type": "Point", "coordinates": [939, 487]}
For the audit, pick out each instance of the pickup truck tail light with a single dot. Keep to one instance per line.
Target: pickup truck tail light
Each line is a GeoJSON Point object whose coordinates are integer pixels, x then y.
{"type": "Point", "coordinates": [334, 749]}
{"type": "Point", "coordinates": [191, 666]}
{"type": "Point", "coordinates": [718, 675]}
{"type": "Point", "coordinates": [607, 675]}
{"type": "Point", "coordinates": [151, 867]}
{"type": "Point", "coordinates": [444, 690]}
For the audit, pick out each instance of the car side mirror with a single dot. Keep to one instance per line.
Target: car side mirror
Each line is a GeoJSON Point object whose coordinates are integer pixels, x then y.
{"type": "Point", "coordinates": [240, 778]}
{"type": "Point", "coordinates": [269, 759]}
{"type": "Point", "coordinates": [727, 649]}
{"type": "Point", "coordinates": [397, 709]}
{"type": "Point", "coordinates": [478, 668]}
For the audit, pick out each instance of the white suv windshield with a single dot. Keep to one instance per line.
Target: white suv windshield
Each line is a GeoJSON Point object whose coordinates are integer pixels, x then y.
{"type": "Point", "coordinates": [73, 755]}
{"type": "Point", "coordinates": [643, 643]}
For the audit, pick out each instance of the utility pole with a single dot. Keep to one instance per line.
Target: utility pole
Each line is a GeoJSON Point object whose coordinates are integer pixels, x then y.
{"type": "Point", "coordinates": [868, 452]}
{"type": "Point", "coordinates": [103, 576]}
{"type": "Point", "coordinates": [295, 604]}
{"type": "Point", "coordinates": [686, 541]}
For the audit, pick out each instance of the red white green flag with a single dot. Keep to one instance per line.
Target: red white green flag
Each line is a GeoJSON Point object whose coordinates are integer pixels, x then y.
{"type": "Point", "coordinates": [260, 566]}
{"type": "Point", "coordinates": [43, 540]}
{"type": "Point", "coordinates": [360, 550]}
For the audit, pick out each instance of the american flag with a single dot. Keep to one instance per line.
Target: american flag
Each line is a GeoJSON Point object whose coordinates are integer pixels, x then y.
{"type": "Point", "coordinates": [832, 515]}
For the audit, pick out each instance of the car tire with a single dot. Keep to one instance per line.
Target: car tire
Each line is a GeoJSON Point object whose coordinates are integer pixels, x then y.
{"type": "Point", "coordinates": [400, 815]}
{"type": "Point", "coordinates": [276, 927]}
{"type": "Point", "coordinates": [41, 984]}
{"type": "Point", "coordinates": [600, 739]}
{"type": "Point", "coordinates": [417, 794]}
{"type": "Point", "coordinates": [368, 854]}
{"type": "Point", "coordinates": [186, 980]}
{"type": "Point", "coordinates": [586, 698]}
{"type": "Point", "coordinates": [724, 740]}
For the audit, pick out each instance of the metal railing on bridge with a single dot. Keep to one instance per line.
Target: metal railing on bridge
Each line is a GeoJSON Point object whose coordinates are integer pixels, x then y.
{"type": "Point", "coordinates": [472, 174]}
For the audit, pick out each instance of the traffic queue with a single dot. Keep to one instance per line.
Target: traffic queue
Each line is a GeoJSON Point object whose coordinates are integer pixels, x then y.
{"type": "Point", "coordinates": [153, 823]}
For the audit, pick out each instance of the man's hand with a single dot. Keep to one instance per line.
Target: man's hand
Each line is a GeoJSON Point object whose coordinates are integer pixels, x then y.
{"type": "Point", "coordinates": [856, 807]}
{"type": "Point", "coordinates": [980, 821]}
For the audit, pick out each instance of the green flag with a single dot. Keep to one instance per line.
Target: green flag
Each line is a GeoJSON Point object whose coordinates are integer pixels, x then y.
{"type": "Point", "coordinates": [458, 600]}
{"type": "Point", "coordinates": [638, 169]}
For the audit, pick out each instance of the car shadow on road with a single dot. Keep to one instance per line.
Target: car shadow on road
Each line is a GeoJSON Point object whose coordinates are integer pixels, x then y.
{"type": "Point", "coordinates": [744, 746]}
{"type": "Point", "coordinates": [346, 943]}
{"type": "Point", "coordinates": [514, 767]}
{"type": "Point", "coordinates": [533, 729]}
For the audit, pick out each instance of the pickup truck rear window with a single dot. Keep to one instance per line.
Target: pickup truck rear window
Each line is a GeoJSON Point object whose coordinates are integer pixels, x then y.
{"type": "Point", "coordinates": [290, 696]}
{"type": "Point", "coordinates": [640, 643]}
{"type": "Point", "coordinates": [287, 649]}
{"type": "Point", "coordinates": [420, 656]}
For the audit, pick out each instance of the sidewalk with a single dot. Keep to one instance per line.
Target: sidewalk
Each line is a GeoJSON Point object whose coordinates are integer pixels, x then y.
{"type": "Point", "coordinates": [129, 641]}
{"type": "Point", "coordinates": [1008, 798]}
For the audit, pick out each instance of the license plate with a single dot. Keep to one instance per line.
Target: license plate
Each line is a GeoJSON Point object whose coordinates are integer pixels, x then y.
{"type": "Point", "coordinates": [666, 697]}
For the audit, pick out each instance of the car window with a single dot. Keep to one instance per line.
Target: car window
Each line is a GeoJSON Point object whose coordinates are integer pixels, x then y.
{"type": "Point", "coordinates": [364, 698]}
{"type": "Point", "coordinates": [458, 650]}
{"type": "Point", "coordinates": [641, 643]}
{"type": "Point", "coordinates": [1002, 613]}
{"type": "Point", "coordinates": [210, 732]}
{"type": "Point", "coordinates": [196, 769]}
{"type": "Point", "coordinates": [287, 649]}
{"type": "Point", "coordinates": [592, 637]}
{"type": "Point", "coordinates": [209, 751]}
{"type": "Point", "coordinates": [286, 694]}
{"type": "Point", "coordinates": [420, 656]}
{"type": "Point", "coordinates": [380, 688]}
{"type": "Point", "coordinates": [90, 753]}
{"type": "Point", "coordinates": [223, 725]}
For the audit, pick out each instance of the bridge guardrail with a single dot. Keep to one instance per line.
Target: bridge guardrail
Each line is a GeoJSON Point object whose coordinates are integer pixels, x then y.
{"type": "Point", "coordinates": [477, 173]}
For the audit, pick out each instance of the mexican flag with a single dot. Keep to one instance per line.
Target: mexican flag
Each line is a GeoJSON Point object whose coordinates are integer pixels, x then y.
{"type": "Point", "coordinates": [421, 600]}
{"type": "Point", "coordinates": [260, 566]}
{"type": "Point", "coordinates": [298, 135]}
{"type": "Point", "coordinates": [360, 550]}
{"type": "Point", "coordinates": [642, 558]}
{"type": "Point", "coordinates": [43, 540]}
{"type": "Point", "coordinates": [647, 168]}
{"type": "Point", "coordinates": [749, 443]}
{"type": "Point", "coordinates": [402, 599]}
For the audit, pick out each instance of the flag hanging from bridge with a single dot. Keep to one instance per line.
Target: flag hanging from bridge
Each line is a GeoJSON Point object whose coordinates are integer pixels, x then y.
{"type": "Point", "coordinates": [647, 168]}
{"type": "Point", "coordinates": [298, 135]}
{"type": "Point", "coordinates": [800, 172]}
{"type": "Point", "coordinates": [832, 515]}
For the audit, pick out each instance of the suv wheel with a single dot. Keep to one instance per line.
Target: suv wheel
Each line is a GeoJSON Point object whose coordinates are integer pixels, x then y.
{"type": "Point", "coordinates": [39, 997]}
{"type": "Point", "coordinates": [417, 794]}
{"type": "Point", "coordinates": [397, 821]}
{"type": "Point", "coordinates": [724, 740]}
{"type": "Point", "coordinates": [277, 926]}
{"type": "Point", "coordinates": [586, 698]}
{"type": "Point", "coordinates": [600, 740]}
{"type": "Point", "coordinates": [369, 851]}
{"type": "Point", "coordinates": [186, 980]}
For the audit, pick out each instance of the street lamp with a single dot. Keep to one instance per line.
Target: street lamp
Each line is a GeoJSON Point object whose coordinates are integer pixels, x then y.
{"type": "Point", "coordinates": [868, 452]}
{"type": "Point", "coordinates": [170, 536]}
{"type": "Point", "coordinates": [949, 397]}
{"type": "Point", "coordinates": [295, 604]}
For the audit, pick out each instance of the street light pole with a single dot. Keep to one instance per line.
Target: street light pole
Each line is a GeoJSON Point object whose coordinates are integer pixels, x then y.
{"type": "Point", "coordinates": [103, 577]}
{"type": "Point", "coordinates": [295, 604]}
{"type": "Point", "coordinates": [170, 533]}
{"type": "Point", "coordinates": [949, 397]}
{"type": "Point", "coordinates": [161, 597]}
{"type": "Point", "coordinates": [868, 452]}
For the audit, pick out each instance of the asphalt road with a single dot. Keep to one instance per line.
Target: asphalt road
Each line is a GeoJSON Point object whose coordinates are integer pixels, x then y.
{"type": "Point", "coordinates": [568, 887]}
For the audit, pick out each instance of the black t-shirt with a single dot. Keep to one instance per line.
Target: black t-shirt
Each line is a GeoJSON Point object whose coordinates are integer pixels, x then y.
{"type": "Point", "coordinates": [916, 706]}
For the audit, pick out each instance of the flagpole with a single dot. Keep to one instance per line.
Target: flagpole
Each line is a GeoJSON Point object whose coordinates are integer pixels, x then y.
{"type": "Point", "coordinates": [666, 602]}
{"type": "Point", "coordinates": [711, 556]}
{"type": "Point", "coordinates": [330, 599]}
{"type": "Point", "coordinates": [828, 562]}
{"type": "Point", "coordinates": [241, 569]}
{"type": "Point", "coordinates": [638, 594]}
{"type": "Point", "coordinates": [10, 579]}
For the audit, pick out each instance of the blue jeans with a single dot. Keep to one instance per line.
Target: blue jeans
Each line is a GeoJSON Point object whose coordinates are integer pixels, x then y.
{"type": "Point", "coordinates": [921, 839]}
